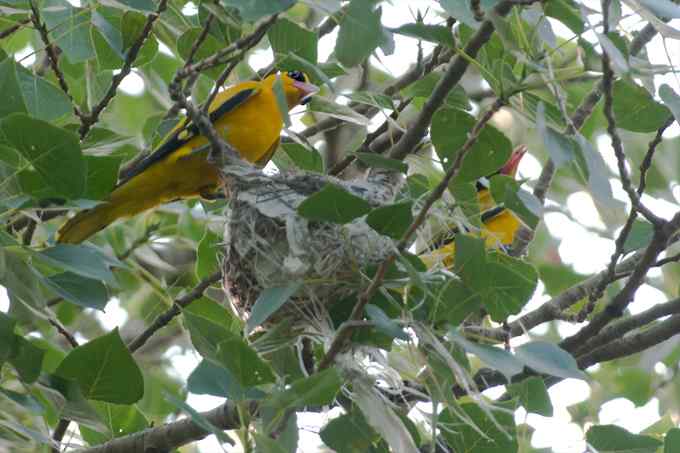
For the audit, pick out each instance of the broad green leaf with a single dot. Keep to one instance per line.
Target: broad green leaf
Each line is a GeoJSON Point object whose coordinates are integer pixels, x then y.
{"type": "Point", "coordinates": [132, 26]}
{"type": "Point", "coordinates": [54, 152]}
{"type": "Point", "coordinates": [121, 420]}
{"type": "Point", "coordinates": [83, 291]}
{"type": "Point", "coordinates": [84, 260]}
{"type": "Point", "coordinates": [13, 101]}
{"type": "Point", "coordinates": [566, 12]}
{"type": "Point", "coordinates": [22, 281]}
{"type": "Point", "coordinates": [199, 419]}
{"type": "Point", "coordinates": [548, 358]}
{"type": "Point", "coordinates": [102, 175]}
{"type": "Point", "coordinates": [243, 362]}
{"type": "Point", "coordinates": [455, 302]}
{"type": "Point", "coordinates": [268, 302]}
{"type": "Point", "coordinates": [497, 435]}
{"type": "Point", "coordinates": [252, 10]}
{"type": "Point", "coordinates": [209, 46]}
{"type": "Point", "coordinates": [43, 100]}
{"type": "Point", "coordinates": [360, 33]}
{"type": "Point", "coordinates": [460, 9]}
{"type": "Point", "coordinates": [141, 5]}
{"type": "Point", "coordinates": [391, 220]}
{"type": "Point", "coordinates": [439, 34]}
{"type": "Point", "coordinates": [333, 204]}
{"type": "Point", "coordinates": [207, 254]}
{"type": "Point", "coordinates": [287, 37]}
{"type": "Point", "coordinates": [317, 390]}
{"type": "Point", "coordinates": [598, 173]}
{"type": "Point", "coordinates": [384, 324]}
{"type": "Point", "coordinates": [422, 88]}
{"type": "Point", "coordinates": [378, 100]}
{"type": "Point", "coordinates": [635, 109]}
{"type": "Point", "coordinates": [450, 130]}
{"type": "Point", "coordinates": [640, 236]}
{"type": "Point", "coordinates": [205, 333]}
{"type": "Point", "coordinates": [614, 439]}
{"type": "Point", "coordinates": [335, 110]}
{"type": "Point", "coordinates": [70, 29]}
{"type": "Point", "coordinates": [619, 62]}
{"type": "Point", "coordinates": [281, 102]}
{"type": "Point", "coordinates": [335, 434]}
{"type": "Point", "coordinates": [671, 442]}
{"type": "Point", "coordinates": [27, 359]}
{"type": "Point", "coordinates": [561, 148]}
{"type": "Point", "coordinates": [208, 378]}
{"type": "Point", "coordinates": [533, 395]}
{"type": "Point", "coordinates": [67, 396]}
{"type": "Point", "coordinates": [105, 370]}
{"type": "Point", "coordinates": [303, 158]}
{"type": "Point", "coordinates": [497, 358]}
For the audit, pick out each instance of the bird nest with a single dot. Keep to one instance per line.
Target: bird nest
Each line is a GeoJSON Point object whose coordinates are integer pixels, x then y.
{"type": "Point", "coordinates": [268, 244]}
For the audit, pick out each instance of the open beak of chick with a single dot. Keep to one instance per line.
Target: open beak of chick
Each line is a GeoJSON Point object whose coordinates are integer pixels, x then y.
{"type": "Point", "coordinates": [510, 167]}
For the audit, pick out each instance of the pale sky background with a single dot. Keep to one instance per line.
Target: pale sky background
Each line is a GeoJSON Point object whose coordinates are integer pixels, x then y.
{"type": "Point", "coordinates": [558, 431]}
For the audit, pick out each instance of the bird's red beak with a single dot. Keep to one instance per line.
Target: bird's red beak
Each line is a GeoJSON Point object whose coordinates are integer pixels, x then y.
{"type": "Point", "coordinates": [510, 167]}
{"type": "Point", "coordinates": [307, 90]}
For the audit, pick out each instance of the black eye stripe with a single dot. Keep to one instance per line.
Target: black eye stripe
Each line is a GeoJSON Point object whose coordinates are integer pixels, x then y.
{"type": "Point", "coordinates": [296, 75]}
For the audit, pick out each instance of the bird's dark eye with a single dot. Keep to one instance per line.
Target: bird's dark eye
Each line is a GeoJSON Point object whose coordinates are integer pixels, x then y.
{"type": "Point", "coordinates": [296, 75]}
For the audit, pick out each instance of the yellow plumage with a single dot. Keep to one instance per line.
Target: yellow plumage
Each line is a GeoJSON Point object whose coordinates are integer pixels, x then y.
{"type": "Point", "coordinates": [247, 115]}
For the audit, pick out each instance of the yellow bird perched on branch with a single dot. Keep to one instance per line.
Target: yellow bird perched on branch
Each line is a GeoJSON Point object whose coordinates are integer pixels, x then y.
{"type": "Point", "coordinates": [499, 224]}
{"type": "Point", "coordinates": [246, 115]}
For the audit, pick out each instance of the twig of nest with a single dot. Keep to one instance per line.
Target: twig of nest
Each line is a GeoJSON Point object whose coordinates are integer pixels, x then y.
{"type": "Point", "coordinates": [268, 244]}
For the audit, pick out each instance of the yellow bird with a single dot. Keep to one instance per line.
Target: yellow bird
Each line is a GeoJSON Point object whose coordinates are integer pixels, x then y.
{"type": "Point", "coordinates": [246, 115]}
{"type": "Point", "coordinates": [499, 224]}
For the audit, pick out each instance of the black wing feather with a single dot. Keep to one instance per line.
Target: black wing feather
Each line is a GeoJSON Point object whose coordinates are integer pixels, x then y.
{"type": "Point", "coordinates": [188, 132]}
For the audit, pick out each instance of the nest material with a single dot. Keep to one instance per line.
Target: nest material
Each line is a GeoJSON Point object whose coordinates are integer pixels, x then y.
{"type": "Point", "coordinates": [267, 244]}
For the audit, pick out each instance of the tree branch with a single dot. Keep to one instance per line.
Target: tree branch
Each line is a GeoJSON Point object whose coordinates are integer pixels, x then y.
{"type": "Point", "coordinates": [175, 434]}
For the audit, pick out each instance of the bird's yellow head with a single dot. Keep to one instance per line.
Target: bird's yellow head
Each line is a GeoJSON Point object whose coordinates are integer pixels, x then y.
{"type": "Point", "coordinates": [296, 87]}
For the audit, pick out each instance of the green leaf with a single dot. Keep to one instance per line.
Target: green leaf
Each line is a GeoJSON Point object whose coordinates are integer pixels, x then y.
{"type": "Point", "coordinates": [121, 420]}
{"type": "Point", "coordinates": [8, 339]}
{"type": "Point", "coordinates": [252, 10]}
{"type": "Point", "coordinates": [335, 110]}
{"type": "Point", "coordinates": [268, 302]}
{"type": "Point", "coordinates": [105, 370]}
{"type": "Point", "coordinates": [43, 100]}
{"type": "Point", "coordinates": [132, 26]}
{"type": "Point", "coordinates": [360, 33]}
{"type": "Point", "coordinates": [378, 100]}
{"type": "Point", "coordinates": [614, 439]}
{"type": "Point", "coordinates": [619, 62]}
{"type": "Point", "coordinates": [333, 204]}
{"type": "Point", "coordinates": [207, 261]}
{"type": "Point", "coordinates": [497, 358]}
{"type": "Point", "coordinates": [671, 442]}
{"type": "Point", "coordinates": [317, 390]}
{"type": "Point", "coordinates": [199, 419]}
{"type": "Point", "coordinates": [27, 360]}
{"type": "Point", "coordinates": [640, 236]}
{"type": "Point", "coordinates": [84, 260]}
{"type": "Point", "coordinates": [384, 324]}
{"type": "Point", "coordinates": [438, 34]}
{"type": "Point", "coordinates": [598, 173]}
{"type": "Point", "coordinates": [422, 88]}
{"type": "Point", "coordinates": [548, 358]}
{"type": "Point", "coordinates": [304, 158]}
{"type": "Point", "coordinates": [374, 160]}
{"type": "Point", "coordinates": [335, 434]}
{"type": "Point", "coordinates": [478, 432]}
{"type": "Point", "coordinates": [206, 334]}
{"type": "Point", "coordinates": [243, 362]}
{"type": "Point", "coordinates": [209, 46]}
{"type": "Point", "coordinates": [67, 395]}
{"type": "Point", "coordinates": [208, 378]}
{"type": "Point", "coordinates": [25, 401]}
{"type": "Point", "coordinates": [566, 12]}
{"type": "Point", "coordinates": [13, 101]}
{"type": "Point", "coordinates": [282, 104]}
{"type": "Point", "coordinates": [69, 29]}
{"type": "Point", "coordinates": [86, 292]}
{"type": "Point", "coordinates": [662, 8]}
{"type": "Point", "coordinates": [102, 176]}
{"type": "Point", "coordinates": [141, 5]}
{"type": "Point", "coordinates": [460, 9]}
{"type": "Point", "coordinates": [52, 151]}
{"type": "Point", "coordinates": [671, 99]}
{"type": "Point", "coordinates": [287, 37]}
{"type": "Point", "coordinates": [455, 302]}
{"type": "Point", "coordinates": [506, 190]}
{"type": "Point", "coordinates": [561, 148]}
{"type": "Point", "coordinates": [491, 150]}
{"type": "Point", "coordinates": [635, 109]}
{"type": "Point", "coordinates": [533, 395]}
{"type": "Point", "coordinates": [391, 220]}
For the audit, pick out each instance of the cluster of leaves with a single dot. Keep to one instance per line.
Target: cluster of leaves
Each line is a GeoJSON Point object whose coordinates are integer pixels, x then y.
{"type": "Point", "coordinates": [110, 390]}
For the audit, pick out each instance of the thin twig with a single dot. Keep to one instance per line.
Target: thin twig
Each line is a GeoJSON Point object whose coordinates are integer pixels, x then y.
{"type": "Point", "coordinates": [12, 29]}
{"type": "Point", "coordinates": [179, 303]}
{"type": "Point", "coordinates": [88, 121]}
